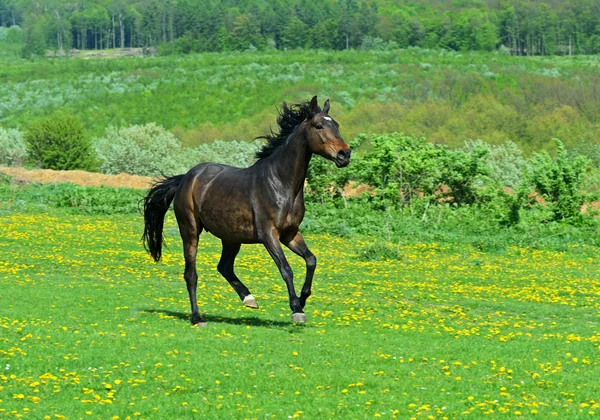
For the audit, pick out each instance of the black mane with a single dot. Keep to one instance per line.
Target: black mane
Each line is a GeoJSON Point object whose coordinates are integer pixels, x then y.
{"type": "Point", "coordinates": [289, 119]}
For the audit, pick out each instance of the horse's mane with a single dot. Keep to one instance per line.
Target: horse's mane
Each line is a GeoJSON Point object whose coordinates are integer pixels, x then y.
{"type": "Point", "coordinates": [290, 117]}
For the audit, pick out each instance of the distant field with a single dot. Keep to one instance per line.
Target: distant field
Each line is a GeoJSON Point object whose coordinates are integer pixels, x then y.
{"type": "Point", "coordinates": [90, 327]}
{"type": "Point", "coordinates": [446, 96]}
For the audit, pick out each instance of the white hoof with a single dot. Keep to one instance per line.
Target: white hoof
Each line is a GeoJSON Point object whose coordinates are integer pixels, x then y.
{"type": "Point", "coordinates": [200, 325]}
{"type": "Point", "coordinates": [250, 302]}
{"type": "Point", "coordinates": [299, 317]}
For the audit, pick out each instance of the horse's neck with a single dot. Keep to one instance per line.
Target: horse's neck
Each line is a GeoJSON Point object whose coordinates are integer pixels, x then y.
{"type": "Point", "coordinates": [292, 162]}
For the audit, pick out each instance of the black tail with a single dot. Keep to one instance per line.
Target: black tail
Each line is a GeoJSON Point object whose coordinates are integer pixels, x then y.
{"type": "Point", "coordinates": [156, 204]}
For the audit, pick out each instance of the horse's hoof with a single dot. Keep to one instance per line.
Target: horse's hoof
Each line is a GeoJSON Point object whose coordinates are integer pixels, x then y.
{"type": "Point", "coordinates": [250, 302]}
{"type": "Point", "coordinates": [200, 324]}
{"type": "Point", "coordinates": [197, 320]}
{"type": "Point", "coordinates": [299, 317]}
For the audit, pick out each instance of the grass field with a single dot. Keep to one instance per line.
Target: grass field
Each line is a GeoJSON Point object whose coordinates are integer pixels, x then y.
{"type": "Point", "coordinates": [91, 328]}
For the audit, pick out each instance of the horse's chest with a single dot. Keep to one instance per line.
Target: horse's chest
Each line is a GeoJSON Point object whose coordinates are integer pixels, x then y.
{"type": "Point", "coordinates": [294, 215]}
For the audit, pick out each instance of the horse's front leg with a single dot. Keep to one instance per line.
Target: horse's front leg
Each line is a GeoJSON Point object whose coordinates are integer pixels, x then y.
{"type": "Point", "coordinates": [271, 242]}
{"type": "Point", "coordinates": [298, 247]}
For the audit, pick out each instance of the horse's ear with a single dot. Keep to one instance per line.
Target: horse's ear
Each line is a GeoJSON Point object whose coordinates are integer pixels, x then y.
{"type": "Point", "coordinates": [314, 105]}
{"type": "Point", "coordinates": [284, 106]}
{"type": "Point", "coordinates": [326, 107]}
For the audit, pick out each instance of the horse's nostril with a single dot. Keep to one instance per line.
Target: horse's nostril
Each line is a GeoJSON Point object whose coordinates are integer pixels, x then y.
{"type": "Point", "coordinates": [344, 153]}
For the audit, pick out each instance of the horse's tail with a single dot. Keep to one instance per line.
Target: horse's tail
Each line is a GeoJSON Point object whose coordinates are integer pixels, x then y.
{"type": "Point", "coordinates": [156, 204]}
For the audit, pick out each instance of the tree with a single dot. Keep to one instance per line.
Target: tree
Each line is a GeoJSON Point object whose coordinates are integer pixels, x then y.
{"type": "Point", "coordinates": [35, 30]}
{"type": "Point", "coordinates": [295, 34]}
{"type": "Point", "coordinates": [324, 35]}
{"type": "Point", "coordinates": [59, 142]}
{"type": "Point", "coordinates": [246, 33]}
{"type": "Point", "coordinates": [348, 22]}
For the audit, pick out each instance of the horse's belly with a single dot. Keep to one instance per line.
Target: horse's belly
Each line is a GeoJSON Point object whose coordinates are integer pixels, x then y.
{"type": "Point", "coordinates": [230, 223]}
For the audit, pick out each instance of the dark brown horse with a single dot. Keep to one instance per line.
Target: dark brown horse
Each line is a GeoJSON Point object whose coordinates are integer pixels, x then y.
{"type": "Point", "coordinates": [260, 204]}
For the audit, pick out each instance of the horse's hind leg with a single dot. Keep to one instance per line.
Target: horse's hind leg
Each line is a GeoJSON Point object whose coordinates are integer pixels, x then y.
{"type": "Point", "coordinates": [190, 229]}
{"type": "Point", "coordinates": [225, 267]}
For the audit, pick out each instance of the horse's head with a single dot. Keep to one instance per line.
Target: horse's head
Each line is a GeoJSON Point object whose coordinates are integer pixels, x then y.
{"type": "Point", "coordinates": [323, 136]}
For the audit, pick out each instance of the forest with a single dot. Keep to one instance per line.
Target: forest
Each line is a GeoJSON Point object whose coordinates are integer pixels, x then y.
{"type": "Point", "coordinates": [522, 27]}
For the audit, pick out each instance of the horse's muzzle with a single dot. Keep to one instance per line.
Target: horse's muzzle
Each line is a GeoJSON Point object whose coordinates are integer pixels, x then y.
{"type": "Point", "coordinates": [343, 158]}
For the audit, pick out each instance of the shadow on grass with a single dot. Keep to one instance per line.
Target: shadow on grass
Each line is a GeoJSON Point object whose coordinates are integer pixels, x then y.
{"type": "Point", "coordinates": [252, 320]}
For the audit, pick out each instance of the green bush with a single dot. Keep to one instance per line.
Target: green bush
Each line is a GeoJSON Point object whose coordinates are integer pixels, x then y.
{"type": "Point", "coordinates": [463, 174]}
{"type": "Point", "coordinates": [59, 143]}
{"type": "Point", "coordinates": [560, 182]}
{"type": "Point", "coordinates": [505, 162]}
{"type": "Point", "coordinates": [235, 153]}
{"type": "Point", "coordinates": [12, 147]}
{"type": "Point", "coordinates": [150, 150]}
{"type": "Point", "coordinates": [402, 168]}
{"type": "Point", "coordinates": [147, 150]}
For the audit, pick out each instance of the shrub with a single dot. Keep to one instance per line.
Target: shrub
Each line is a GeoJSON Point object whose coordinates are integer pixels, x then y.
{"type": "Point", "coordinates": [461, 173]}
{"type": "Point", "coordinates": [370, 43]}
{"type": "Point", "coordinates": [504, 51]}
{"type": "Point", "coordinates": [402, 168]}
{"type": "Point", "coordinates": [588, 149]}
{"type": "Point", "coordinates": [151, 150]}
{"type": "Point", "coordinates": [559, 181]}
{"type": "Point", "coordinates": [235, 153]}
{"type": "Point", "coordinates": [59, 142]}
{"type": "Point", "coordinates": [505, 162]}
{"type": "Point", "coordinates": [12, 147]}
{"type": "Point", "coordinates": [148, 150]}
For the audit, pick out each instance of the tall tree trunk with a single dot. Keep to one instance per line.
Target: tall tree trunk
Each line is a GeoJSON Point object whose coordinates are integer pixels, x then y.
{"type": "Point", "coordinates": [163, 22]}
{"type": "Point", "coordinates": [543, 44]}
{"type": "Point", "coordinates": [570, 46]}
{"type": "Point", "coordinates": [122, 29]}
{"type": "Point", "coordinates": [114, 35]}
{"type": "Point", "coordinates": [171, 31]}
{"type": "Point", "coordinates": [58, 35]}
{"type": "Point", "coordinates": [518, 38]}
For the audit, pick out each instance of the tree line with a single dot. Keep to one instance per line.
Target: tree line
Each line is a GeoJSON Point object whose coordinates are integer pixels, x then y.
{"type": "Point", "coordinates": [521, 27]}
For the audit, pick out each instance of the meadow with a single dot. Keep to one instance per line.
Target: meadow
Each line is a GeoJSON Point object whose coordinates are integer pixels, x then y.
{"type": "Point", "coordinates": [447, 97]}
{"type": "Point", "coordinates": [438, 293]}
{"type": "Point", "coordinates": [91, 328]}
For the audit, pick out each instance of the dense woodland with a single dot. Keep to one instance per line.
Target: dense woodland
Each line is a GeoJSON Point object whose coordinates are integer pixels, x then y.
{"type": "Point", "coordinates": [523, 27]}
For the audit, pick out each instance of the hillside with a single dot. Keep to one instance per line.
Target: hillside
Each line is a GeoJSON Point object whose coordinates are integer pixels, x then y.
{"type": "Point", "coordinates": [447, 97]}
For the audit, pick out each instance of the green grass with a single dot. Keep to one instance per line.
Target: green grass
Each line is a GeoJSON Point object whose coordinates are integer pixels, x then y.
{"type": "Point", "coordinates": [91, 328]}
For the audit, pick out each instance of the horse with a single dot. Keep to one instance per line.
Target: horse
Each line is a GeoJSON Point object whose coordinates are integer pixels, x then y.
{"type": "Point", "coordinates": [261, 204]}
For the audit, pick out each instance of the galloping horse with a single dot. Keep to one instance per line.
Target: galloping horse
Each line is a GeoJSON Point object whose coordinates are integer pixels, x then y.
{"type": "Point", "coordinates": [263, 203]}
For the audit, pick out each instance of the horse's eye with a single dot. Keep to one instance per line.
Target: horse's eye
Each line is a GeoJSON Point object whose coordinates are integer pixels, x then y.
{"type": "Point", "coordinates": [320, 126]}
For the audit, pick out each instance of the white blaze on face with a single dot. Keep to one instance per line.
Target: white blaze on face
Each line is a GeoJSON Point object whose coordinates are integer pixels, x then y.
{"type": "Point", "coordinates": [327, 118]}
